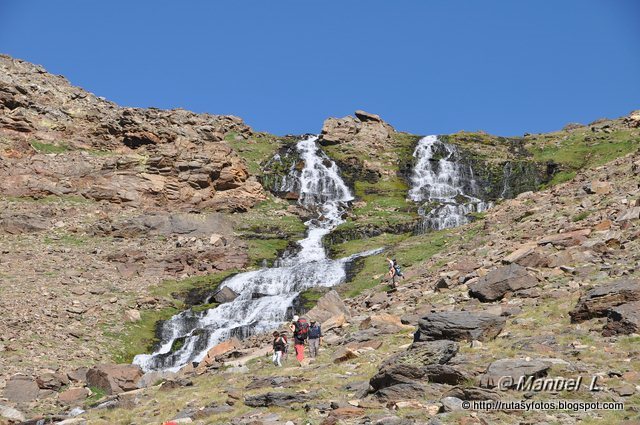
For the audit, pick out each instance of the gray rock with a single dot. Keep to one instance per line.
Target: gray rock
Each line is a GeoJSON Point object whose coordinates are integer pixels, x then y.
{"type": "Point", "coordinates": [21, 388]}
{"type": "Point", "coordinates": [623, 319]}
{"type": "Point", "coordinates": [472, 393]}
{"type": "Point", "coordinates": [407, 391]}
{"type": "Point", "coordinates": [276, 399]}
{"type": "Point", "coordinates": [460, 325]}
{"type": "Point", "coordinates": [11, 414]}
{"type": "Point", "coordinates": [420, 364]}
{"type": "Point", "coordinates": [451, 404]}
{"type": "Point", "coordinates": [515, 369]}
{"type": "Point", "coordinates": [599, 301]}
{"type": "Point", "coordinates": [225, 295]}
{"type": "Point", "coordinates": [500, 281]}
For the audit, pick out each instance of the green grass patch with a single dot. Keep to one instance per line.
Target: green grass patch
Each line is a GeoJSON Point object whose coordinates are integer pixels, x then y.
{"type": "Point", "coordinates": [269, 219]}
{"type": "Point", "coordinates": [96, 394]}
{"type": "Point", "coordinates": [66, 240]}
{"type": "Point", "coordinates": [176, 289]}
{"type": "Point", "coordinates": [409, 251]}
{"type": "Point", "coordinates": [580, 216]}
{"type": "Point", "coordinates": [359, 245]}
{"type": "Point", "coordinates": [256, 150]}
{"type": "Point", "coordinates": [265, 249]}
{"type": "Point", "coordinates": [582, 148]}
{"type": "Point", "coordinates": [45, 148]}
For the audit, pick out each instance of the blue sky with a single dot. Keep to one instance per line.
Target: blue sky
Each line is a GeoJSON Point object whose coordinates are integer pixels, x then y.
{"type": "Point", "coordinates": [506, 67]}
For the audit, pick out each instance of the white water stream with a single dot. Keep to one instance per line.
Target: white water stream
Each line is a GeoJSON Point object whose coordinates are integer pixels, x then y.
{"type": "Point", "coordinates": [446, 189]}
{"type": "Point", "coordinates": [265, 295]}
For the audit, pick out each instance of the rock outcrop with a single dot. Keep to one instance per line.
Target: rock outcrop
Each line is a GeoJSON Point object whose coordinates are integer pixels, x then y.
{"type": "Point", "coordinates": [459, 326]}
{"type": "Point", "coordinates": [66, 141]}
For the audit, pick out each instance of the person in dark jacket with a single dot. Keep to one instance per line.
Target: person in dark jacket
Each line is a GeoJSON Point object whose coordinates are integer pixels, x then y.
{"type": "Point", "coordinates": [315, 338]}
{"type": "Point", "coordinates": [279, 347]}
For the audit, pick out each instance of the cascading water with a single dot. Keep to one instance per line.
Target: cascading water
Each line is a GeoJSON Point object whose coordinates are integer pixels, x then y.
{"type": "Point", "coordinates": [447, 189]}
{"type": "Point", "coordinates": [265, 295]}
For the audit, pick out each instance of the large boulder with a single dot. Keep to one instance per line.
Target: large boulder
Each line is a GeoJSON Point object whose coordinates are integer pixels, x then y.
{"type": "Point", "coordinates": [423, 362]}
{"type": "Point", "coordinates": [567, 239]}
{"type": "Point", "coordinates": [276, 399]}
{"type": "Point", "coordinates": [365, 128]}
{"type": "Point", "coordinates": [500, 281]}
{"type": "Point", "coordinates": [459, 326]}
{"type": "Point", "coordinates": [599, 301]}
{"type": "Point", "coordinates": [21, 388]}
{"type": "Point", "coordinates": [515, 369]}
{"type": "Point", "coordinates": [328, 306]}
{"type": "Point", "coordinates": [225, 295]}
{"type": "Point", "coordinates": [114, 379]}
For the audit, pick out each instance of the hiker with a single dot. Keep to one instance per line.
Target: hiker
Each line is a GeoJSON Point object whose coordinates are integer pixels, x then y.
{"type": "Point", "coordinates": [397, 272]}
{"type": "Point", "coordinates": [300, 329]}
{"type": "Point", "coordinates": [391, 269]}
{"type": "Point", "coordinates": [315, 339]}
{"type": "Point", "coordinates": [279, 348]}
{"type": "Point", "coordinates": [283, 334]}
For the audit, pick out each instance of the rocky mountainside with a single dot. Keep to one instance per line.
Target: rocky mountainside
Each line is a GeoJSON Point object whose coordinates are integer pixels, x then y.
{"type": "Point", "coordinates": [114, 219]}
{"type": "Point", "coordinates": [122, 155]}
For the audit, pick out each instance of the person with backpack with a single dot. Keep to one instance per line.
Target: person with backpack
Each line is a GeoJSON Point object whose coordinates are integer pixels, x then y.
{"type": "Point", "coordinates": [315, 338]}
{"type": "Point", "coordinates": [279, 348]}
{"type": "Point", "coordinates": [300, 329]}
{"type": "Point", "coordinates": [397, 272]}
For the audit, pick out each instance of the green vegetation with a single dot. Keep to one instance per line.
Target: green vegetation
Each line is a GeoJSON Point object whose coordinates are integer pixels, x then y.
{"type": "Point", "coordinates": [96, 394]}
{"type": "Point", "coordinates": [410, 250]}
{"type": "Point", "coordinates": [270, 220]}
{"type": "Point", "coordinates": [256, 150]}
{"type": "Point", "coordinates": [49, 199]}
{"type": "Point", "coordinates": [309, 298]}
{"type": "Point", "coordinates": [66, 239]}
{"type": "Point", "coordinates": [43, 147]}
{"type": "Point", "coordinates": [265, 249]}
{"type": "Point", "coordinates": [140, 337]}
{"type": "Point", "coordinates": [580, 216]}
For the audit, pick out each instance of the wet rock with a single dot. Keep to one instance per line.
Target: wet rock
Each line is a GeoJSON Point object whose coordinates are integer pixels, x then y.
{"type": "Point", "coordinates": [114, 379]}
{"type": "Point", "coordinates": [276, 399]}
{"type": "Point", "coordinates": [21, 388]}
{"type": "Point", "coordinates": [514, 368]}
{"type": "Point", "coordinates": [601, 299]}
{"type": "Point", "coordinates": [498, 282]}
{"type": "Point", "coordinates": [225, 295]}
{"type": "Point", "coordinates": [460, 325]}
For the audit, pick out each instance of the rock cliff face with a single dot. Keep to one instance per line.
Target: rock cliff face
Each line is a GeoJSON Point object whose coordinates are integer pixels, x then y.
{"type": "Point", "coordinates": [57, 139]}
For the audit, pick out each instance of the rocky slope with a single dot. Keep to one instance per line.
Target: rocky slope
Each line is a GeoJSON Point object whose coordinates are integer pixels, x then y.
{"type": "Point", "coordinates": [112, 219]}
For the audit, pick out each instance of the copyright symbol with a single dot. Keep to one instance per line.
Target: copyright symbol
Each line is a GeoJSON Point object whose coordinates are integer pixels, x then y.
{"type": "Point", "coordinates": [466, 405]}
{"type": "Point", "coordinates": [505, 382]}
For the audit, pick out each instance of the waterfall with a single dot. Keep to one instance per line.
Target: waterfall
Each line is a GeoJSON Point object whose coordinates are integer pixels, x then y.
{"type": "Point", "coordinates": [446, 188]}
{"type": "Point", "coordinates": [265, 295]}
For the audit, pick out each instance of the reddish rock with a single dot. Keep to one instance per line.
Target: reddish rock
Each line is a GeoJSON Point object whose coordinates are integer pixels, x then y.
{"type": "Point", "coordinates": [114, 379]}
{"type": "Point", "coordinates": [73, 396]}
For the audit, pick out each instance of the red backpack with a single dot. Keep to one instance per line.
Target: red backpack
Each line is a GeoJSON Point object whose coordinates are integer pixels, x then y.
{"type": "Point", "coordinates": [302, 329]}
